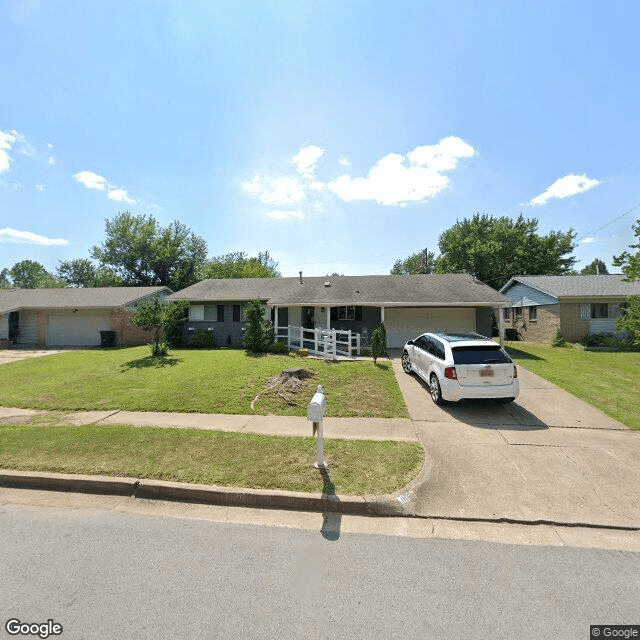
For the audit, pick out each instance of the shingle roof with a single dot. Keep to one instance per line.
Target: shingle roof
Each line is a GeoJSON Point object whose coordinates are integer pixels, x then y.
{"type": "Point", "coordinates": [98, 297]}
{"type": "Point", "coordinates": [576, 286]}
{"type": "Point", "coordinates": [418, 290]}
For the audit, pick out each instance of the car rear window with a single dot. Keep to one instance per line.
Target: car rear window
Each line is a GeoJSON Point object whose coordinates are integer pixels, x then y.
{"type": "Point", "coordinates": [480, 355]}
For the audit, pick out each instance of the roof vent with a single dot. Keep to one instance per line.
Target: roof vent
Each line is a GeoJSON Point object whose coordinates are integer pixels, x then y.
{"type": "Point", "coordinates": [300, 272]}
{"type": "Point", "coordinates": [327, 284]}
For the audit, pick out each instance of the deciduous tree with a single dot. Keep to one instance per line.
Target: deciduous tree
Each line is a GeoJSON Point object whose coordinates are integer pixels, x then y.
{"type": "Point", "coordinates": [240, 265]}
{"type": "Point", "coordinates": [29, 274]}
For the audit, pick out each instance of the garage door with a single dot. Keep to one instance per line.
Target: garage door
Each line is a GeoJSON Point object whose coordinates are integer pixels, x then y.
{"type": "Point", "coordinates": [405, 323]}
{"type": "Point", "coordinates": [80, 329]}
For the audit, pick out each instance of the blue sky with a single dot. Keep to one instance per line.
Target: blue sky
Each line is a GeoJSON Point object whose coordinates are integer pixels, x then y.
{"type": "Point", "coordinates": [339, 136]}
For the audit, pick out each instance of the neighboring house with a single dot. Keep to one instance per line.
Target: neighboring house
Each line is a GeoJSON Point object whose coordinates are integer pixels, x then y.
{"type": "Point", "coordinates": [72, 317]}
{"type": "Point", "coordinates": [577, 305]}
{"type": "Point", "coordinates": [408, 305]}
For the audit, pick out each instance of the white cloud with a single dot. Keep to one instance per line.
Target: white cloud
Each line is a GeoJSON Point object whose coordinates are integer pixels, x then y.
{"type": "Point", "coordinates": [91, 180]}
{"type": "Point", "coordinates": [95, 181]}
{"type": "Point", "coordinates": [344, 162]}
{"type": "Point", "coordinates": [564, 187]}
{"type": "Point", "coordinates": [588, 240]}
{"type": "Point", "coordinates": [280, 191]}
{"type": "Point", "coordinates": [51, 160]}
{"type": "Point", "coordinates": [285, 215]}
{"type": "Point", "coordinates": [306, 159]}
{"type": "Point", "coordinates": [397, 180]}
{"type": "Point", "coordinates": [39, 187]}
{"type": "Point", "coordinates": [7, 140]}
{"type": "Point", "coordinates": [49, 146]}
{"type": "Point", "coordinates": [27, 237]}
{"type": "Point", "coordinates": [120, 195]}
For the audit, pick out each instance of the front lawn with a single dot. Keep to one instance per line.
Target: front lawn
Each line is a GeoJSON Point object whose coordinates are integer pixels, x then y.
{"type": "Point", "coordinates": [356, 467]}
{"type": "Point", "coordinates": [609, 381]}
{"type": "Point", "coordinates": [219, 381]}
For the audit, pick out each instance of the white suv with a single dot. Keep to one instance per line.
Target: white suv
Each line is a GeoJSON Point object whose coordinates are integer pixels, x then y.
{"type": "Point", "coordinates": [462, 365]}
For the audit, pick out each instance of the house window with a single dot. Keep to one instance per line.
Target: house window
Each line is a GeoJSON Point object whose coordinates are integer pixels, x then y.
{"type": "Point", "coordinates": [518, 313]}
{"type": "Point", "coordinates": [196, 312]}
{"type": "Point", "coordinates": [283, 316]}
{"type": "Point", "coordinates": [585, 311]}
{"type": "Point", "coordinates": [236, 312]}
{"type": "Point", "coordinates": [599, 311]}
{"type": "Point", "coordinates": [533, 314]}
{"type": "Point", "coordinates": [209, 312]}
{"type": "Point", "coordinates": [506, 313]}
{"type": "Point", "coordinates": [220, 313]}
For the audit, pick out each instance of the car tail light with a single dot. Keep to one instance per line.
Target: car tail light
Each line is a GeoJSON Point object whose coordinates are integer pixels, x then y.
{"type": "Point", "coordinates": [515, 371]}
{"type": "Point", "coordinates": [450, 372]}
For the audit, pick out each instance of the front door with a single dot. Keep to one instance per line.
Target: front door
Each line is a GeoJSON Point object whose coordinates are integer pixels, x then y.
{"type": "Point", "coordinates": [308, 318]}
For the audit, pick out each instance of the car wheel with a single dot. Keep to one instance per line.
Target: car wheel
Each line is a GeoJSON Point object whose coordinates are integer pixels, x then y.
{"type": "Point", "coordinates": [434, 389]}
{"type": "Point", "coordinates": [406, 363]}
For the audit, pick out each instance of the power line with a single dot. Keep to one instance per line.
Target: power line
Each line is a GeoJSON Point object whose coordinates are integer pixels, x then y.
{"type": "Point", "coordinates": [609, 223]}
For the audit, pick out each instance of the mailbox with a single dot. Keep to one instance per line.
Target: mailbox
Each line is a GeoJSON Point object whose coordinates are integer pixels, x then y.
{"type": "Point", "coordinates": [317, 406]}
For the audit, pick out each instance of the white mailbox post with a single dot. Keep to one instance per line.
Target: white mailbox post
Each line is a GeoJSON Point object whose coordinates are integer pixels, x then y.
{"type": "Point", "coordinates": [315, 413]}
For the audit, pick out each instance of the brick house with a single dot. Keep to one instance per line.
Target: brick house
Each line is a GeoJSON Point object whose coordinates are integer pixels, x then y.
{"type": "Point", "coordinates": [408, 305]}
{"type": "Point", "coordinates": [72, 317]}
{"type": "Point", "coordinates": [577, 305]}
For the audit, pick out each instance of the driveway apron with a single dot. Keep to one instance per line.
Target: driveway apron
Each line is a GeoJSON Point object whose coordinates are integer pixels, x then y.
{"type": "Point", "coordinates": [547, 457]}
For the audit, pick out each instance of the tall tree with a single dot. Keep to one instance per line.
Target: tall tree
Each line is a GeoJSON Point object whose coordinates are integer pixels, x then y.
{"type": "Point", "coordinates": [82, 272]}
{"type": "Point", "coordinates": [29, 274]}
{"type": "Point", "coordinates": [630, 262]}
{"type": "Point", "coordinates": [494, 249]}
{"type": "Point", "coordinates": [597, 267]}
{"type": "Point", "coordinates": [5, 281]}
{"type": "Point", "coordinates": [239, 265]}
{"type": "Point", "coordinates": [419, 262]}
{"type": "Point", "coordinates": [142, 252]}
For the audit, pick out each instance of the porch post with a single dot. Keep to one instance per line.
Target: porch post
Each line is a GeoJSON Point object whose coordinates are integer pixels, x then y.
{"type": "Point", "coordinates": [275, 322]}
{"type": "Point", "coordinates": [381, 315]}
{"type": "Point", "coordinates": [328, 317]}
{"type": "Point", "coordinates": [501, 325]}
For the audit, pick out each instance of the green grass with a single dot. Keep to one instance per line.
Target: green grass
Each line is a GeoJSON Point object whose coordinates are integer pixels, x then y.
{"type": "Point", "coordinates": [209, 457]}
{"type": "Point", "coordinates": [219, 381]}
{"type": "Point", "coordinates": [608, 381]}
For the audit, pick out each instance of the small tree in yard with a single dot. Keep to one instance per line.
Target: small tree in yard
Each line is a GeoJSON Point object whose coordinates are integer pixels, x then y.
{"type": "Point", "coordinates": [629, 319]}
{"type": "Point", "coordinates": [256, 334]}
{"type": "Point", "coordinates": [378, 342]}
{"type": "Point", "coordinates": [157, 316]}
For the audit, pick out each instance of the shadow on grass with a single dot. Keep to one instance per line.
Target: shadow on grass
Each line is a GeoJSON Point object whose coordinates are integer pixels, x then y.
{"type": "Point", "coordinates": [157, 362]}
{"type": "Point", "coordinates": [383, 365]}
{"type": "Point", "coordinates": [521, 355]}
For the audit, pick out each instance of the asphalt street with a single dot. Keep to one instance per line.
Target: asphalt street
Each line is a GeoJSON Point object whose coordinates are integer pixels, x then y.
{"type": "Point", "coordinates": [104, 574]}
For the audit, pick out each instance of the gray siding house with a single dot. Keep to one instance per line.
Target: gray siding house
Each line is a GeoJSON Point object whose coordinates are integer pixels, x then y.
{"type": "Point", "coordinates": [576, 305]}
{"type": "Point", "coordinates": [72, 317]}
{"type": "Point", "coordinates": [408, 305]}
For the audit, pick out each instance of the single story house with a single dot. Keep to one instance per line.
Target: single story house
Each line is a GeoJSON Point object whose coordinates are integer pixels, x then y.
{"type": "Point", "coordinates": [408, 305]}
{"type": "Point", "coordinates": [577, 305]}
{"type": "Point", "coordinates": [72, 317]}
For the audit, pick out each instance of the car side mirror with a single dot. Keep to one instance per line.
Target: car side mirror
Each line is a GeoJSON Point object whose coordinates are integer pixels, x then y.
{"type": "Point", "coordinates": [410, 342]}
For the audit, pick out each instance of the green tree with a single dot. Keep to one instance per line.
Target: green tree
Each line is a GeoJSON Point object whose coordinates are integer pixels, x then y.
{"type": "Point", "coordinates": [5, 281]}
{"type": "Point", "coordinates": [597, 267]}
{"type": "Point", "coordinates": [162, 318]}
{"type": "Point", "coordinates": [143, 253]}
{"type": "Point", "coordinates": [82, 272]}
{"type": "Point", "coordinates": [630, 262]}
{"type": "Point", "coordinates": [258, 334]}
{"type": "Point", "coordinates": [629, 319]}
{"type": "Point", "coordinates": [29, 274]}
{"type": "Point", "coordinates": [239, 265]}
{"type": "Point", "coordinates": [420, 262]}
{"type": "Point", "coordinates": [494, 249]}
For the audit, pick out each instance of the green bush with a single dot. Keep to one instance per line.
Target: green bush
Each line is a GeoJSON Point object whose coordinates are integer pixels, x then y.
{"type": "Point", "coordinates": [203, 340]}
{"type": "Point", "coordinates": [159, 349]}
{"type": "Point", "coordinates": [303, 353]}
{"type": "Point", "coordinates": [559, 340]}
{"type": "Point", "coordinates": [607, 340]}
{"type": "Point", "coordinates": [279, 347]}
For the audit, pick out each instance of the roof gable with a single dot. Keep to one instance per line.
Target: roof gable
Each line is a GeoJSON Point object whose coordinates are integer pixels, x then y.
{"type": "Point", "coordinates": [574, 286]}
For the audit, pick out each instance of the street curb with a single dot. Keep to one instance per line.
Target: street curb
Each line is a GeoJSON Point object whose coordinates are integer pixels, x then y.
{"type": "Point", "coordinates": [205, 494]}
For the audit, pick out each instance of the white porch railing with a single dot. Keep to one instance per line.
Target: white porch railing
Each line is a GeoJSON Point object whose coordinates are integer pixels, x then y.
{"type": "Point", "coordinates": [326, 342]}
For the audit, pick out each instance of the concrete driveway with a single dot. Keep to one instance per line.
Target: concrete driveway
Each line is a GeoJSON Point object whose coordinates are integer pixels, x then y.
{"type": "Point", "coordinates": [547, 457]}
{"type": "Point", "coordinates": [13, 354]}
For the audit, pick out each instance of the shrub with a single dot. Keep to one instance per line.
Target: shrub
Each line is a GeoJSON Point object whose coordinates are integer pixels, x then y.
{"type": "Point", "coordinates": [258, 334]}
{"type": "Point", "coordinates": [629, 319]}
{"type": "Point", "coordinates": [159, 349]}
{"type": "Point", "coordinates": [279, 347]}
{"type": "Point", "coordinates": [303, 353]}
{"type": "Point", "coordinates": [203, 340]}
{"type": "Point", "coordinates": [559, 340]}
{"type": "Point", "coordinates": [377, 347]}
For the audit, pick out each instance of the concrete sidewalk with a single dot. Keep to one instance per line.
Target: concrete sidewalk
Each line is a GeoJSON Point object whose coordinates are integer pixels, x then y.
{"type": "Point", "coordinates": [343, 428]}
